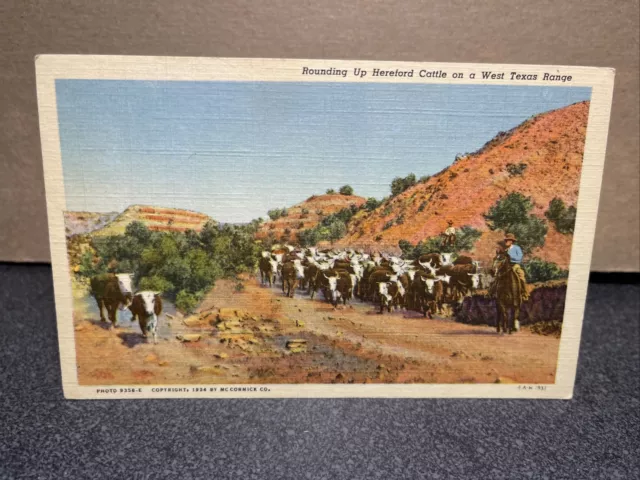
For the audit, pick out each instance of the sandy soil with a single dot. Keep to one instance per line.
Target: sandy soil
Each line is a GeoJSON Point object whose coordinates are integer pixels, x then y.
{"type": "Point", "coordinates": [243, 338]}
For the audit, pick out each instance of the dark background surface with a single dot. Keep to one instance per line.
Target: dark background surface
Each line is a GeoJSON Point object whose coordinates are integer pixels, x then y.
{"type": "Point", "coordinates": [42, 435]}
{"type": "Point", "coordinates": [544, 32]}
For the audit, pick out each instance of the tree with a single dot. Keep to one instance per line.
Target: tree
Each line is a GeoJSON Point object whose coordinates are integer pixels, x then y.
{"type": "Point", "coordinates": [346, 190]}
{"type": "Point", "coordinates": [337, 230]}
{"type": "Point", "coordinates": [330, 191]}
{"type": "Point", "coordinates": [399, 184]}
{"type": "Point", "coordinates": [511, 215]}
{"type": "Point", "coordinates": [139, 231]}
{"type": "Point", "coordinates": [564, 218]}
{"type": "Point", "coordinates": [371, 204]}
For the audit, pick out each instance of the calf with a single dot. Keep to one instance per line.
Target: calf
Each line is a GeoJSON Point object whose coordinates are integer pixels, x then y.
{"type": "Point", "coordinates": [112, 292]}
{"type": "Point", "coordinates": [146, 306]}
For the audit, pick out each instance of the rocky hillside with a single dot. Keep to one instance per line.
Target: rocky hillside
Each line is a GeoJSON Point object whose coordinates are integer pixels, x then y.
{"type": "Point", "coordinates": [307, 214]}
{"type": "Point", "coordinates": [78, 223]}
{"type": "Point", "coordinates": [159, 219]}
{"type": "Point", "coordinates": [540, 158]}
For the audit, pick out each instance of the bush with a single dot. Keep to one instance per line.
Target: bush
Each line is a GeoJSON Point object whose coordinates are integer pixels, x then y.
{"type": "Point", "coordinates": [511, 215]}
{"type": "Point", "coordinates": [346, 190]}
{"type": "Point", "coordinates": [277, 213]}
{"type": "Point", "coordinates": [424, 179]}
{"type": "Point", "coordinates": [186, 302]}
{"type": "Point", "coordinates": [174, 263]}
{"type": "Point", "coordinates": [465, 240]}
{"type": "Point", "coordinates": [562, 217]}
{"type": "Point", "coordinates": [388, 225]}
{"type": "Point", "coordinates": [399, 184]}
{"type": "Point", "coordinates": [305, 211]}
{"type": "Point", "coordinates": [155, 283]}
{"type": "Point", "coordinates": [422, 206]}
{"type": "Point", "coordinates": [330, 191]}
{"type": "Point", "coordinates": [400, 220]}
{"type": "Point", "coordinates": [515, 170]}
{"type": "Point", "coordinates": [538, 270]}
{"type": "Point", "coordinates": [452, 175]}
{"type": "Point", "coordinates": [406, 247]}
{"type": "Point", "coordinates": [371, 204]}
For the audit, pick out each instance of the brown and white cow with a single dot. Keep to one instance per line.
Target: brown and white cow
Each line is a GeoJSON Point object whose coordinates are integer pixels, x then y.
{"type": "Point", "coordinates": [112, 291]}
{"type": "Point", "coordinates": [146, 306]}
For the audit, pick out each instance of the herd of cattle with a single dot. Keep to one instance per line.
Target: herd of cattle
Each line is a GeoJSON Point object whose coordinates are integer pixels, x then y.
{"type": "Point", "coordinates": [424, 285]}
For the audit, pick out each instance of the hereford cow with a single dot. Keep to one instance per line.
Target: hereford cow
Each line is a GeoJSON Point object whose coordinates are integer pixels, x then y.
{"type": "Point", "coordinates": [113, 292]}
{"type": "Point", "coordinates": [338, 286]}
{"type": "Point", "coordinates": [268, 270]}
{"type": "Point", "coordinates": [292, 274]}
{"type": "Point", "coordinates": [426, 294]}
{"type": "Point", "coordinates": [146, 306]}
{"type": "Point", "coordinates": [391, 294]}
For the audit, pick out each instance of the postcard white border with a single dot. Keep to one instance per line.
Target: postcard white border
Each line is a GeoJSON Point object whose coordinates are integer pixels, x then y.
{"type": "Point", "coordinates": [52, 67]}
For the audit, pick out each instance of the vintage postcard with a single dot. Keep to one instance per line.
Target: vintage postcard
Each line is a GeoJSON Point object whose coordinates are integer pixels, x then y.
{"type": "Point", "coordinates": [312, 228]}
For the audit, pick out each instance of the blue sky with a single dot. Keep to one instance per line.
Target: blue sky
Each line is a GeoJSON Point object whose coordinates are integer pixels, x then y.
{"type": "Point", "coordinates": [234, 150]}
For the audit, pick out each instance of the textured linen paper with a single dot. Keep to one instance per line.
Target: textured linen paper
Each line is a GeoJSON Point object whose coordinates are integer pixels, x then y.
{"type": "Point", "coordinates": [226, 227]}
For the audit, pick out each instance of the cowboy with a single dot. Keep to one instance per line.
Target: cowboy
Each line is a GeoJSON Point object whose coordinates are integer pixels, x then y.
{"type": "Point", "coordinates": [515, 255]}
{"type": "Point", "coordinates": [449, 235]}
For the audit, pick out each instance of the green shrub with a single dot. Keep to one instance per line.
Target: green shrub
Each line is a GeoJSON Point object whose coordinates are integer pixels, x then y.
{"type": "Point", "coordinates": [466, 238]}
{"type": "Point", "coordinates": [371, 204]}
{"type": "Point", "coordinates": [422, 206]}
{"type": "Point", "coordinates": [511, 215]}
{"type": "Point", "coordinates": [400, 184]}
{"type": "Point", "coordinates": [563, 217]}
{"type": "Point", "coordinates": [424, 179]}
{"type": "Point", "coordinates": [186, 302]}
{"type": "Point", "coordinates": [330, 191]}
{"type": "Point", "coordinates": [538, 270]}
{"type": "Point", "coordinates": [346, 190]}
{"type": "Point", "coordinates": [155, 283]}
{"type": "Point", "coordinates": [388, 225]}
{"type": "Point", "coordinates": [277, 213]}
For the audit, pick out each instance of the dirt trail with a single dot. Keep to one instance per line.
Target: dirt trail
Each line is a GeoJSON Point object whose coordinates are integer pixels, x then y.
{"type": "Point", "coordinates": [352, 344]}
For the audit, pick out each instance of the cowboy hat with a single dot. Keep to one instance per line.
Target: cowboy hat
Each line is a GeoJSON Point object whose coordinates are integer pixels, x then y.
{"type": "Point", "coordinates": [450, 222]}
{"type": "Point", "coordinates": [510, 236]}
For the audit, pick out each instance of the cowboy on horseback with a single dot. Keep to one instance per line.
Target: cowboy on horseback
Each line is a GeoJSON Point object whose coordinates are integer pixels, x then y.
{"type": "Point", "coordinates": [515, 257]}
{"type": "Point", "coordinates": [449, 235]}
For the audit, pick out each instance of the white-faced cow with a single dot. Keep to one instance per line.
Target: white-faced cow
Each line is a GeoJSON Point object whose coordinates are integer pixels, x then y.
{"type": "Point", "coordinates": [146, 306]}
{"type": "Point", "coordinates": [112, 292]}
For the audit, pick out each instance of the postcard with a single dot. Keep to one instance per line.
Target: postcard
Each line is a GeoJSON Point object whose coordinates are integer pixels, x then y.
{"type": "Point", "coordinates": [235, 227]}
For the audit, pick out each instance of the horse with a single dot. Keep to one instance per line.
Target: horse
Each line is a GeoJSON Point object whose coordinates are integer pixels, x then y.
{"type": "Point", "coordinates": [508, 294]}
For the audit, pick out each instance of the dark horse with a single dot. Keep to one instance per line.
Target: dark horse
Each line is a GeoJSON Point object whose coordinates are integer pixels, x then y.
{"type": "Point", "coordinates": [508, 293]}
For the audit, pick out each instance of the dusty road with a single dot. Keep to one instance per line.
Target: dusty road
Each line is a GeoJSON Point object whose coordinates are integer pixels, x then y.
{"type": "Point", "coordinates": [352, 344]}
